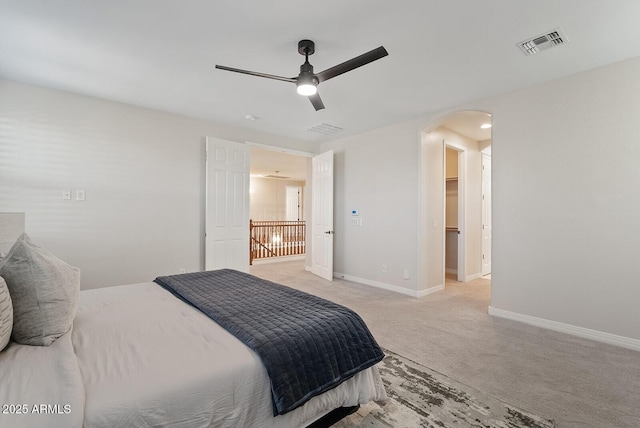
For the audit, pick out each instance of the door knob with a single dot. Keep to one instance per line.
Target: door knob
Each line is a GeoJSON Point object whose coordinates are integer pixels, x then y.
{"type": "Point", "coordinates": [329, 232]}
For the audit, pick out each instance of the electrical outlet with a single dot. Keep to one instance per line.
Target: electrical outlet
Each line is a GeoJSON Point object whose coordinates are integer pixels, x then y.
{"type": "Point", "coordinates": [66, 195]}
{"type": "Point", "coordinates": [384, 268]}
{"type": "Point", "coordinates": [183, 270]}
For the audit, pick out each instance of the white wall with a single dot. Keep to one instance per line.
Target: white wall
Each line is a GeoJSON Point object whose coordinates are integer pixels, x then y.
{"type": "Point", "coordinates": [431, 219]}
{"type": "Point", "coordinates": [565, 203]}
{"type": "Point", "coordinates": [377, 173]}
{"type": "Point", "coordinates": [565, 158]}
{"type": "Point", "coordinates": [566, 206]}
{"type": "Point", "coordinates": [269, 198]}
{"type": "Point", "coordinates": [142, 170]}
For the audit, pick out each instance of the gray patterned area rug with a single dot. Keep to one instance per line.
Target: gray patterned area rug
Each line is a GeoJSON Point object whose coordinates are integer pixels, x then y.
{"type": "Point", "coordinates": [421, 397]}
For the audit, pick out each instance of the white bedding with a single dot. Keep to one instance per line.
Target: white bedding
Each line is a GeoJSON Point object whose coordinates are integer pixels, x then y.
{"type": "Point", "coordinates": [41, 386]}
{"type": "Point", "coordinates": [148, 359]}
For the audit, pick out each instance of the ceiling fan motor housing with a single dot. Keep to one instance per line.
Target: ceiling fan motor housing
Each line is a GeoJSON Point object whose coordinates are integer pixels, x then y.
{"type": "Point", "coordinates": [306, 47]}
{"type": "Point", "coordinates": [306, 76]}
{"type": "Point", "coordinates": [306, 73]}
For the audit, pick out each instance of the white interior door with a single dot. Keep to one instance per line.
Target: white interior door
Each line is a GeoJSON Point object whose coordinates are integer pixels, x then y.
{"type": "Point", "coordinates": [322, 216]}
{"type": "Point", "coordinates": [486, 214]}
{"type": "Point", "coordinates": [293, 203]}
{"type": "Point", "coordinates": [227, 205]}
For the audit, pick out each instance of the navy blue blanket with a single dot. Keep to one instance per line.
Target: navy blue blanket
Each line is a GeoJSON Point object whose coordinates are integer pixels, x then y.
{"type": "Point", "coordinates": [307, 344]}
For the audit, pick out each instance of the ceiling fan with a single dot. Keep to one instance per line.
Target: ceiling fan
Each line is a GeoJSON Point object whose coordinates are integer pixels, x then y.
{"type": "Point", "coordinates": [307, 81]}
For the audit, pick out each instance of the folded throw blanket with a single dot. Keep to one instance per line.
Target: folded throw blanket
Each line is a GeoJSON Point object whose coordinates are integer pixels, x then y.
{"type": "Point", "coordinates": [308, 345]}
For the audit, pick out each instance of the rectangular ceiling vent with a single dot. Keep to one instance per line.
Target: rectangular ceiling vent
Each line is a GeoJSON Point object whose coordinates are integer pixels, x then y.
{"type": "Point", "coordinates": [543, 42]}
{"type": "Point", "coordinates": [325, 129]}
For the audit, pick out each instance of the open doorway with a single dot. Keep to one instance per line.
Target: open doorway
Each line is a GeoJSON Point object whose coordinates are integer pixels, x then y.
{"type": "Point", "coordinates": [278, 204]}
{"type": "Point", "coordinates": [452, 237]}
{"type": "Point", "coordinates": [454, 207]}
{"type": "Point", "coordinates": [467, 200]}
{"type": "Point", "coordinates": [297, 198]}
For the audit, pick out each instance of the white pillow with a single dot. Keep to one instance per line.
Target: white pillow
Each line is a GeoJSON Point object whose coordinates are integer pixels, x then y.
{"type": "Point", "coordinates": [44, 291]}
{"type": "Point", "coordinates": [6, 314]}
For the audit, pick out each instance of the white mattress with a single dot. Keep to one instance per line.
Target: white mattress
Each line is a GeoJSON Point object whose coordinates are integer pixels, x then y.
{"type": "Point", "coordinates": [149, 360]}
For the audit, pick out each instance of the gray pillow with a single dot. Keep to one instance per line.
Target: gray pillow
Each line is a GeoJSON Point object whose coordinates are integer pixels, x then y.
{"type": "Point", "coordinates": [6, 314]}
{"type": "Point", "coordinates": [44, 290]}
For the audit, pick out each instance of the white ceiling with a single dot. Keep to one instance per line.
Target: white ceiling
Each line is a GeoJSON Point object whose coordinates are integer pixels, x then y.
{"type": "Point", "coordinates": [161, 54]}
{"type": "Point", "coordinates": [269, 162]}
{"type": "Point", "coordinates": [469, 124]}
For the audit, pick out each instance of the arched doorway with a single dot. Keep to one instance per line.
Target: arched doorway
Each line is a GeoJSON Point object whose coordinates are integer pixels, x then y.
{"type": "Point", "coordinates": [462, 132]}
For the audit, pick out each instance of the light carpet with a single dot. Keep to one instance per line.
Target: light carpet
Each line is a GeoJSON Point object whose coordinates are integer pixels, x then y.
{"type": "Point", "coordinates": [421, 397]}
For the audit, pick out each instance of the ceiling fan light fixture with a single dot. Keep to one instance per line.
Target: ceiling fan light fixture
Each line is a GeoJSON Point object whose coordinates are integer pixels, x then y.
{"type": "Point", "coordinates": [307, 84]}
{"type": "Point", "coordinates": [307, 89]}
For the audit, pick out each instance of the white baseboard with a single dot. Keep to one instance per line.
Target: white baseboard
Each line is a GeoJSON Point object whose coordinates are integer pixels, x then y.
{"type": "Point", "coordinates": [472, 277]}
{"type": "Point", "coordinates": [596, 335]}
{"type": "Point", "coordinates": [390, 287]}
{"type": "Point", "coordinates": [430, 290]}
{"type": "Point", "coordinates": [468, 278]}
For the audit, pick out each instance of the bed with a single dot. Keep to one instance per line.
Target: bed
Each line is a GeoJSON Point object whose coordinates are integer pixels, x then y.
{"type": "Point", "coordinates": [140, 355]}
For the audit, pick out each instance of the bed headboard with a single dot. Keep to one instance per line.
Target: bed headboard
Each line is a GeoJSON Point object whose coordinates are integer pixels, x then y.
{"type": "Point", "coordinates": [11, 227]}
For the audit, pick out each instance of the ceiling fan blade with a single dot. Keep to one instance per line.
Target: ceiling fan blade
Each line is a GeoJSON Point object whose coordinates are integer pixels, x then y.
{"type": "Point", "coordinates": [352, 64]}
{"type": "Point", "coordinates": [316, 101]}
{"type": "Point", "coordinates": [254, 73]}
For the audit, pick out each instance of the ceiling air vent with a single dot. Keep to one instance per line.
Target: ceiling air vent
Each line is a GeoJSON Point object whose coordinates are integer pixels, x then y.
{"type": "Point", "coordinates": [325, 129]}
{"type": "Point", "coordinates": [543, 42]}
